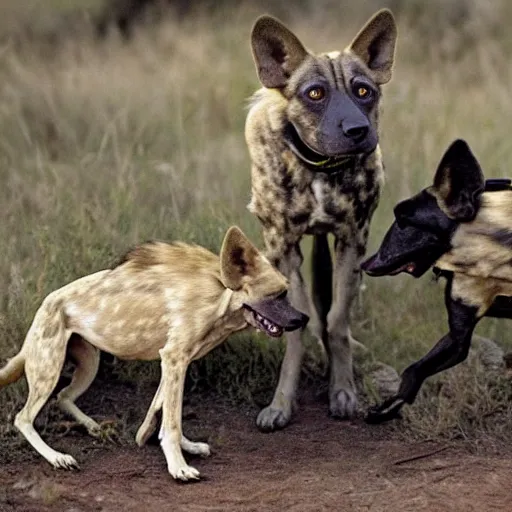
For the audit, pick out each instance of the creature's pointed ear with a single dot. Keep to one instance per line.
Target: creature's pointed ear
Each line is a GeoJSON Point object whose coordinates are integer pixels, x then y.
{"type": "Point", "coordinates": [238, 258]}
{"type": "Point", "coordinates": [459, 182]}
{"type": "Point", "coordinates": [375, 45]}
{"type": "Point", "coordinates": [276, 50]}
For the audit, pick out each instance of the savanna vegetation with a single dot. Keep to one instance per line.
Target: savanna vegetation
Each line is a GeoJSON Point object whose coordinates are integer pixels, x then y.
{"type": "Point", "coordinates": [108, 141]}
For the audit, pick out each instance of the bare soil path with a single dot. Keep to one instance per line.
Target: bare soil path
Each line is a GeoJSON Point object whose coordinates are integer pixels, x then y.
{"type": "Point", "coordinates": [316, 464]}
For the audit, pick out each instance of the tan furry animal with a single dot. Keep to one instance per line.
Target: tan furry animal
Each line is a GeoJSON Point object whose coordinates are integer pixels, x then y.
{"type": "Point", "coordinates": [173, 302]}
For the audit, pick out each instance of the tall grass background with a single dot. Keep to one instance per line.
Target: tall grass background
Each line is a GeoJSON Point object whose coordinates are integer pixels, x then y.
{"type": "Point", "coordinates": [105, 143]}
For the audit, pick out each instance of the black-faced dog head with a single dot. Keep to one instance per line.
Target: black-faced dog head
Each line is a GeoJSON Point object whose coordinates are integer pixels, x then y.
{"type": "Point", "coordinates": [426, 222]}
{"type": "Point", "coordinates": [332, 98]}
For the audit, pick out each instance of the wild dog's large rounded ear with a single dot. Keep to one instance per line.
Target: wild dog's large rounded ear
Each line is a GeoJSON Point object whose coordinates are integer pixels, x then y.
{"type": "Point", "coordinates": [375, 45]}
{"type": "Point", "coordinates": [458, 182]}
{"type": "Point", "coordinates": [276, 50]}
{"type": "Point", "coordinates": [238, 258]}
{"type": "Point", "coordinates": [403, 211]}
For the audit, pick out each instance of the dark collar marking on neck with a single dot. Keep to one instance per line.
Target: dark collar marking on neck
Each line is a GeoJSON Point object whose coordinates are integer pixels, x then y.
{"type": "Point", "coordinates": [313, 160]}
{"type": "Point", "coordinates": [494, 184]}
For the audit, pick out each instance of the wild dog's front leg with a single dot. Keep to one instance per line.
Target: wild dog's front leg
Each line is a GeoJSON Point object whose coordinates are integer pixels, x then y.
{"type": "Point", "coordinates": [342, 395]}
{"type": "Point", "coordinates": [150, 422]}
{"type": "Point", "coordinates": [449, 351]}
{"type": "Point", "coordinates": [278, 414]}
{"type": "Point", "coordinates": [174, 367]}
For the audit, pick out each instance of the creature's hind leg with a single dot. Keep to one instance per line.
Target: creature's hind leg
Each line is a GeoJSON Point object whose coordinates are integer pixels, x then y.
{"type": "Point", "coordinates": [278, 413]}
{"type": "Point", "coordinates": [321, 271]}
{"type": "Point", "coordinates": [87, 359]}
{"type": "Point", "coordinates": [45, 351]}
{"type": "Point", "coordinates": [150, 422]}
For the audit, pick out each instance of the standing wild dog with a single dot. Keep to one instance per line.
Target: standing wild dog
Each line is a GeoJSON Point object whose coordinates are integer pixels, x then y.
{"type": "Point", "coordinates": [173, 302]}
{"type": "Point", "coordinates": [462, 226]}
{"type": "Point", "coordinates": [312, 133]}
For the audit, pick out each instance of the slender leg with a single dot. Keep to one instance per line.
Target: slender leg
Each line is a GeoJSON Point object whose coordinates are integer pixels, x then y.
{"type": "Point", "coordinates": [278, 414]}
{"type": "Point", "coordinates": [174, 368]}
{"type": "Point", "coordinates": [342, 395]}
{"type": "Point", "coordinates": [321, 291]}
{"type": "Point", "coordinates": [45, 351]}
{"type": "Point", "coordinates": [150, 422]}
{"type": "Point", "coordinates": [449, 351]}
{"type": "Point", "coordinates": [87, 360]}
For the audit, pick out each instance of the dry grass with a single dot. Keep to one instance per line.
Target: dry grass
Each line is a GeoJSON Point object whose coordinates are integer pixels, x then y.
{"type": "Point", "coordinates": [108, 144]}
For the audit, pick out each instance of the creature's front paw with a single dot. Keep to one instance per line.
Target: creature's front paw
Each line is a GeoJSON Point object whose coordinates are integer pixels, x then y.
{"type": "Point", "coordinates": [183, 472]}
{"type": "Point", "coordinates": [63, 461]}
{"type": "Point", "coordinates": [342, 403]}
{"type": "Point", "coordinates": [388, 410]}
{"type": "Point", "coordinates": [274, 418]}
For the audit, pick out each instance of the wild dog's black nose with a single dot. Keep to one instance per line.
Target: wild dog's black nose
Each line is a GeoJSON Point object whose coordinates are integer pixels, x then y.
{"type": "Point", "coordinates": [356, 133]}
{"type": "Point", "coordinates": [299, 322]}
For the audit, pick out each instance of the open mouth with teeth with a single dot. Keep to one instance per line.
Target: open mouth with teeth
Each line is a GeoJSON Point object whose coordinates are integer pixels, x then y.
{"type": "Point", "coordinates": [263, 323]}
{"type": "Point", "coordinates": [274, 315]}
{"type": "Point", "coordinates": [266, 325]}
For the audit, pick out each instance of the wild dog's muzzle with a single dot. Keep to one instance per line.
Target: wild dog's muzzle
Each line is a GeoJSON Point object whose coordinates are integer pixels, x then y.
{"type": "Point", "coordinates": [408, 249]}
{"type": "Point", "coordinates": [276, 315]}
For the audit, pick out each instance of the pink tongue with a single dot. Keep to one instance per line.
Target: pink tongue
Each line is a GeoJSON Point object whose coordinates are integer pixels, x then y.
{"type": "Point", "coordinates": [408, 267]}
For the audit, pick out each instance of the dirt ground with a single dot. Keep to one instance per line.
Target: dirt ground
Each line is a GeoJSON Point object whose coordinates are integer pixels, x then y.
{"type": "Point", "coordinates": [316, 464]}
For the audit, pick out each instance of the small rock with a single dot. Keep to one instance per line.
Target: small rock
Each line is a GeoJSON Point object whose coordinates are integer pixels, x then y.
{"type": "Point", "coordinates": [489, 353]}
{"type": "Point", "coordinates": [385, 379]}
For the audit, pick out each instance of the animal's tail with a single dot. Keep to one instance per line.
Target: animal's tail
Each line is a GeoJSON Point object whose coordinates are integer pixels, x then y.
{"type": "Point", "coordinates": [322, 280]}
{"type": "Point", "coordinates": [13, 370]}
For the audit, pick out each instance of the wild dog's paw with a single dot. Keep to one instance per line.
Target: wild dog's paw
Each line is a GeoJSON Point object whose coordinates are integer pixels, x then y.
{"type": "Point", "coordinates": [274, 418]}
{"type": "Point", "coordinates": [342, 404]}
{"type": "Point", "coordinates": [201, 449]}
{"type": "Point", "coordinates": [93, 428]}
{"type": "Point", "coordinates": [105, 430]}
{"type": "Point", "coordinates": [63, 461]}
{"type": "Point", "coordinates": [183, 472]}
{"type": "Point", "coordinates": [388, 410]}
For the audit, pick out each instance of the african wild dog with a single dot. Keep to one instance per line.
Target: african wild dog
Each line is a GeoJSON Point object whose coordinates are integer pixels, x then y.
{"type": "Point", "coordinates": [462, 226]}
{"type": "Point", "coordinates": [173, 302]}
{"type": "Point", "coordinates": [312, 133]}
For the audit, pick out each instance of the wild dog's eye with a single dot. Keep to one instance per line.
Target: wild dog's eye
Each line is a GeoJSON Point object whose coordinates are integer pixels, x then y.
{"type": "Point", "coordinates": [316, 93]}
{"type": "Point", "coordinates": [362, 92]}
